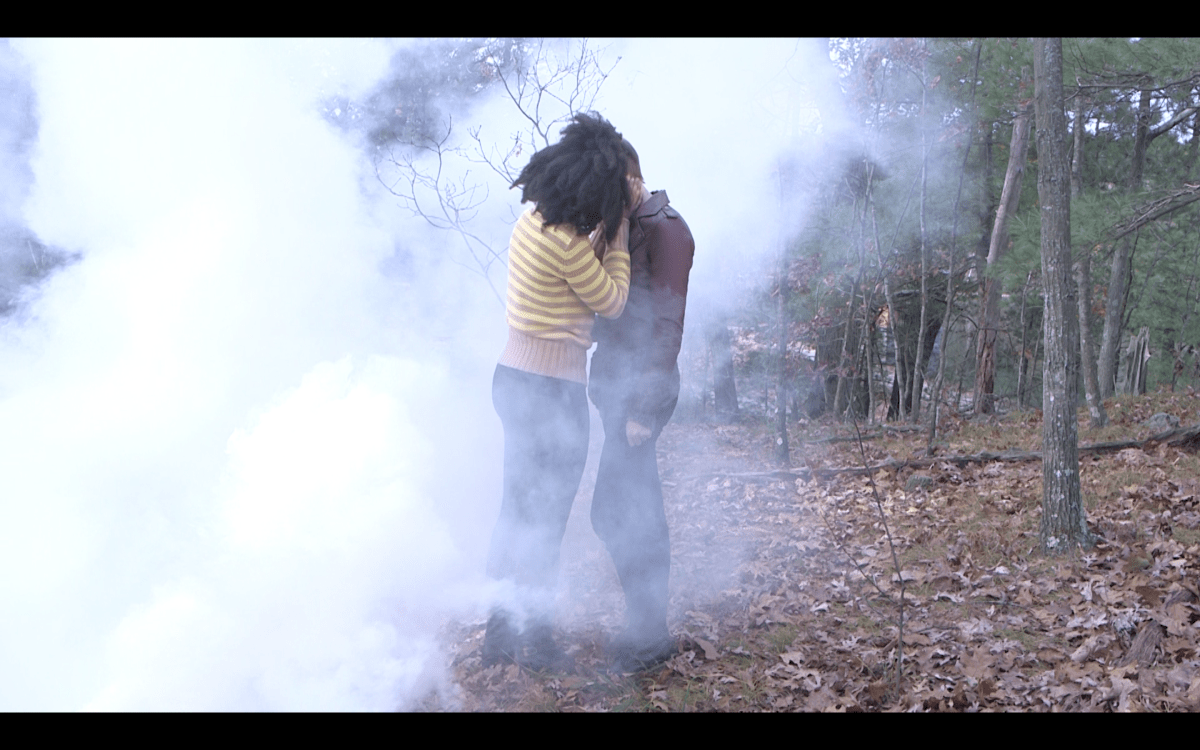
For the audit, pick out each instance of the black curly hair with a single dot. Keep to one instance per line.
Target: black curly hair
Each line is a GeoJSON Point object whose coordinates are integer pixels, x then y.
{"type": "Point", "coordinates": [581, 179]}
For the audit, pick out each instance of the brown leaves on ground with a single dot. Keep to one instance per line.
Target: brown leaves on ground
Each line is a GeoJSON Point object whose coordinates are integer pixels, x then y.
{"type": "Point", "coordinates": [785, 595]}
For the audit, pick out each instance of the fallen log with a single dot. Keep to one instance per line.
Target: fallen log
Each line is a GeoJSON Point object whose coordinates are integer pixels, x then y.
{"type": "Point", "coordinates": [888, 431]}
{"type": "Point", "coordinates": [1184, 438]}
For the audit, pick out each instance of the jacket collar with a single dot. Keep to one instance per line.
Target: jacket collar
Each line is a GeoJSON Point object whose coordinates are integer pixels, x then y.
{"type": "Point", "coordinates": [652, 205]}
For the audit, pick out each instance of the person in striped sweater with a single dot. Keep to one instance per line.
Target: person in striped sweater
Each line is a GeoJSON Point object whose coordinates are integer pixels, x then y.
{"type": "Point", "coordinates": [568, 261]}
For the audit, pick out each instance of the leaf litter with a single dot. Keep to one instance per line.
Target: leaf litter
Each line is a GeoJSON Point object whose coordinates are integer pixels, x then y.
{"type": "Point", "coordinates": [784, 595]}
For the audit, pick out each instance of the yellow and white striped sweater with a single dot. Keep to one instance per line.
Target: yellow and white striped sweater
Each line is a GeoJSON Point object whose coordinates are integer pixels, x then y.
{"type": "Point", "coordinates": [555, 284]}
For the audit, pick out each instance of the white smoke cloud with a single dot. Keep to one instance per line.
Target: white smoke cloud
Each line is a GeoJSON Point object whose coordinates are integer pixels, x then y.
{"type": "Point", "coordinates": [219, 485]}
{"type": "Point", "coordinates": [245, 467]}
{"type": "Point", "coordinates": [711, 119]}
{"type": "Point", "coordinates": [322, 540]}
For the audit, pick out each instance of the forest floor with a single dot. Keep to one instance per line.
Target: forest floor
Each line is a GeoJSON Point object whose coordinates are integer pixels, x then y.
{"type": "Point", "coordinates": [786, 594]}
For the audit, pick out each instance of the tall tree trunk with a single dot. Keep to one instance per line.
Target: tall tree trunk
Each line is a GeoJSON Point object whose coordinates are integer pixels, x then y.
{"type": "Point", "coordinates": [987, 219]}
{"type": "Point", "coordinates": [1122, 262]}
{"type": "Point", "coordinates": [1114, 314]}
{"type": "Point", "coordinates": [1087, 350]}
{"type": "Point", "coordinates": [845, 372]}
{"type": "Point", "coordinates": [987, 215]}
{"type": "Point", "coordinates": [1023, 358]}
{"type": "Point", "coordinates": [936, 398]}
{"type": "Point", "coordinates": [783, 452]}
{"type": "Point", "coordinates": [1063, 523]}
{"type": "Point", "coordinates": [1083, 283]}
{"type": "Point", "coordinates": [1010, 197]}
{"type": "Point", "coordinates": [1180, 349]}
{"type": "Point", "coordinates": [869, 325]}
{"type": "Point", "coordinates": [918, 379]}
{"type": "Point", "coordinates": [893, 317]}
{"type": "Point", "coordinates": [849, 373]}
{"type": "Point", "coordinates": [1141, 141]}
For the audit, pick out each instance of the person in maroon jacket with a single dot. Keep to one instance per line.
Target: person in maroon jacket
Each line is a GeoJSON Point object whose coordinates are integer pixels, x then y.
{"type": "Point", "coordinates": [634, 383]}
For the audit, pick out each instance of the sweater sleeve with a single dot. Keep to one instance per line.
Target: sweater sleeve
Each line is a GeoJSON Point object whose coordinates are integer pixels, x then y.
{"type": "Point", "coordinates": [602, 285]}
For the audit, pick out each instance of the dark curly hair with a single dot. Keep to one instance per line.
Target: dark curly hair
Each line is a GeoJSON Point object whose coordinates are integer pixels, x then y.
{"type": "Point", "coordinates": [581, 179]}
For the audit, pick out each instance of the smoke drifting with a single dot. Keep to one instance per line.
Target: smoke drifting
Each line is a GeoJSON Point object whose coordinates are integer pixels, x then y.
{"type": "Point", "coordinates": [217, 487]}
{"type": "Point", "coordinates": [713, 120]}
{"type": "Point", "coordinates": [246, 465]}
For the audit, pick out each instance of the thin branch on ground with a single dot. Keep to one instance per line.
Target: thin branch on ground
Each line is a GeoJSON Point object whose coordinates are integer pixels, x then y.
{"type": "Point", "coordinates": [841, 548]}
{"type": "Point", "coordinates": [895, 561]}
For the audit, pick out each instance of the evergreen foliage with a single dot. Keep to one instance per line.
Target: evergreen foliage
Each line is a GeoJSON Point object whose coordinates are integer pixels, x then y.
{"type": "Point", "coordinates": [1137, 98]}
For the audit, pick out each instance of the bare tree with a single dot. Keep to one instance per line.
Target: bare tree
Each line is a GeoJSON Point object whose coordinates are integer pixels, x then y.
{"type": "Point", "coordinates": [989, 318]}
{"type": "Point", "coordinates": [918, 379]}
{"type": "Point", "coordinates": [547, 83]}
{"type": "Point", "coordinates": [417, 175]}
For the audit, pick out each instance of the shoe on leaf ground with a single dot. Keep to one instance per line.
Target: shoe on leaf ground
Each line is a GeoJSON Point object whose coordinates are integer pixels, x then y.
{"type": "Point", "coordinates": [533, 649]}
{"type": "Point", "coordinates": [629, 654]}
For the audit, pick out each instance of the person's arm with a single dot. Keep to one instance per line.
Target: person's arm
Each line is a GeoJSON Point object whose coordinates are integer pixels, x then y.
{"type": "Point", "coordinates": [602, 285]}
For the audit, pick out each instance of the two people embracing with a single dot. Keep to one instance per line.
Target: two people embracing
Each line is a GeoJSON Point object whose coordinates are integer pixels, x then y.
{"type": "Point", "coordinates": [594, 242]}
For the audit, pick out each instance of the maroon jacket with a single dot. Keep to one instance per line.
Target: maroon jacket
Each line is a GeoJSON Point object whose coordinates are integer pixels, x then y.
{"type": "Point", "coordinates": [634, 368]}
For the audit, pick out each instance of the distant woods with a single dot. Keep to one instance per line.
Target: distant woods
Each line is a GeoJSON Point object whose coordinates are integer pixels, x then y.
{"type": "Point", "coordinates": [925, 249]}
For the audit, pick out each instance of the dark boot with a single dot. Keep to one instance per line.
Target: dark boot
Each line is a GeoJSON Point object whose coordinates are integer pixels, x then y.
{"type": "Point", "coordinates": [534, 648]}
{"type": "Point", "coordinates": [540, 652]}
{"type": "Point", "coordinates": [637, 651]}
{"type": "Point", "coordinates": [501, 643]}
{"type": "Point", "coordinates": [645, 642]}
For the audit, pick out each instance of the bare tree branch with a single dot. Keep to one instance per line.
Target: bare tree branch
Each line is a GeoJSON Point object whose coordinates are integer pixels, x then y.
{"type": "Point", "coordinates": [1180, 117]}
{"type": "Point", "coordinates": [546, 87]}
{"type": "Point", "coordinates": [1157, 209]}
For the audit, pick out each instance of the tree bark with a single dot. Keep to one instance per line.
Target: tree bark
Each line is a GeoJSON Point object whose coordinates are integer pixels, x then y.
{"type": "Point", "coordinates": [1024, 360]}
{"type": "Point", "coordinates": [845, 372]}
{"type": "Point", "coordinates": [1114, 314]}
{"type": "Point", "coordinates": [1083, 284]}
{"type": "Point", "coordinates": [782, 450]}
{"type": "Point", "coordinates": [1010, 197]}
{"type": "Point", "coordinates": [918, 378]}
{"type": "Point", "coordinates": [1141, 141]}
{"type": "Point", "coordinates": [893, 316]}
{"type": "Point", "coordinates": [1063, 523]}
{"type": "Point", "coordinates": [1087, 350]}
